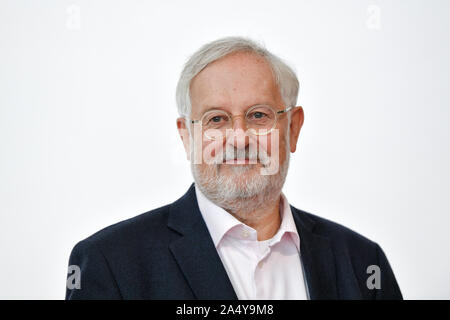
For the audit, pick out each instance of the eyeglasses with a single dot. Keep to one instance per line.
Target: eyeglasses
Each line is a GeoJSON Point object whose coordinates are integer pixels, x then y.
{"type": "Point", "coordinates": [259, 120]}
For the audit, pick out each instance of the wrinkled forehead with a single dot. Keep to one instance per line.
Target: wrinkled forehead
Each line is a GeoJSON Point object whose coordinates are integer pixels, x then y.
{"type": "Point", "coordinates": [234, 83]}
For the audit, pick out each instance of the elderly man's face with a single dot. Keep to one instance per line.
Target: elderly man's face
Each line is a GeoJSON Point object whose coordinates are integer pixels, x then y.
{"type": "Point", "coordinates": [233, 84]}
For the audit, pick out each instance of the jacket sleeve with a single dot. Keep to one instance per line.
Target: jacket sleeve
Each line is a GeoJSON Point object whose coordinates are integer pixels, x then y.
{"type": "Point", "coordinates": [96, 280]}
{"type": "Point", "coordinates": [389, 287]}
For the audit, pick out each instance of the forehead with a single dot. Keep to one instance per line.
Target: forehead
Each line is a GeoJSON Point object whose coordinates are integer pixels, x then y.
{"type": "Point", "coordinates": [234, 82]}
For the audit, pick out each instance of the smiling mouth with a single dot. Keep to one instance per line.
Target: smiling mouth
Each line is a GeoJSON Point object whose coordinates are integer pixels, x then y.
{"type": "Point", "coordinates": [241, 161]}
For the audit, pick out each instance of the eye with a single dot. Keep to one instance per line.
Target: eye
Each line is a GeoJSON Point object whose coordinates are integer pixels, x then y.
{"type": "Point", "coordinates": [257, 115]}
{"type": "Point", "coordinates": [216, 119]}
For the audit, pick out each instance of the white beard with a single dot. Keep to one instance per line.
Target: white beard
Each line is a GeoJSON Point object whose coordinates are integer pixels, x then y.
{"type": "Point", "coordinates": [240, 193]}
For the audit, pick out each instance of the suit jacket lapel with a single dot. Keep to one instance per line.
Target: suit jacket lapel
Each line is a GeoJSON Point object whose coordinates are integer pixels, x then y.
{"type": "Point", "coordinates": [200, 263]}
{"type": "Point", "coordinates": [317, 258]}
{"type": "Point", "coordinates": [195, 252]}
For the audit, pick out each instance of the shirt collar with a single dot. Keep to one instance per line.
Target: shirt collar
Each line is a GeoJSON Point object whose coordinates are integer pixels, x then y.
{"type": "Point", "coordinates": [219, 222]}
{"type": "Point", "coordinates": [287, 223]}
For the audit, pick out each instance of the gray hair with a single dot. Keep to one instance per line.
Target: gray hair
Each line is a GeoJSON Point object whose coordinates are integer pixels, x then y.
{"type": "Point", "coordinates": [284, 76]}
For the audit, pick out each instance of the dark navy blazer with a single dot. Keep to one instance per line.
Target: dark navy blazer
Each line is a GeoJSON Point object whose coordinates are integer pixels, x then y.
{"type": "Point", "coordinates": [168, 253]}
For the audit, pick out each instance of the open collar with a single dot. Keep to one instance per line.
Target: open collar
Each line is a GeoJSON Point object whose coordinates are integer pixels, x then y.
{"type": "Point", "coordinates": [196, 254]}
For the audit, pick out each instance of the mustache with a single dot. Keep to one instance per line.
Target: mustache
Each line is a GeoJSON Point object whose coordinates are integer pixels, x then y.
{"type": "Point", "coordinates": [231, 154]}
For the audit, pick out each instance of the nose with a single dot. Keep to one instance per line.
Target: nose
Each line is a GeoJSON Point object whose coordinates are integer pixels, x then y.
{"type": "Point", "coordinates": [237, 137]}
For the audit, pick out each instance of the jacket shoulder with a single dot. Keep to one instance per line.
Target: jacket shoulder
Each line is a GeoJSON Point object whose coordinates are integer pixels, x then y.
{"type": "Point", "coordinates": [354, 253]}
{"type": "Point", "coordinates": [142, 227]}
{"type": "Point", "coordinates": [338, 233]}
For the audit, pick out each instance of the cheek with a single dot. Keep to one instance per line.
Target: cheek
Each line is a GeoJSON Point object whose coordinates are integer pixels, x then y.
{"type": "Point", "coordinates": [211, 148]}
{"type": "Point", "coordinates": [265, 143]}
{"type": "Point", "coordinates": [273, 143]}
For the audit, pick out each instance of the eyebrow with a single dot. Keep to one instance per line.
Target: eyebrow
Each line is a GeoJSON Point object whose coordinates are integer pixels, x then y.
{"type": "Point", "coordinates": [209, 107]}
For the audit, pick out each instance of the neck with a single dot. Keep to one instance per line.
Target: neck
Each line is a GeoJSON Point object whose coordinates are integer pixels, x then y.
{"type": "Point", "coordinates": [265, 220]}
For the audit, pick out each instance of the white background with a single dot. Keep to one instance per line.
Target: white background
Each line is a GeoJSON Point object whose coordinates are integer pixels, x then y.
{"type": "Point", "coordinates": [88, 134]}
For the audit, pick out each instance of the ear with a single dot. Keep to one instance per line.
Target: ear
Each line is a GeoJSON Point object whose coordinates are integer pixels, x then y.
{"type": "Point", "coordinates": [297, 118]}
{"type": "Point", "coordinates": [184, 134]}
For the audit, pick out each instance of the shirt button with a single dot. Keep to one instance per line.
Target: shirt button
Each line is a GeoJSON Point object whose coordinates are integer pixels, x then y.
{"type": "Point", "coordinates": [245, 234]}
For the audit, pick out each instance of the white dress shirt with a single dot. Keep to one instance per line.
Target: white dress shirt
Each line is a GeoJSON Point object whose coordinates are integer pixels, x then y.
{"type": "Point", "coordinates": [258, 270]}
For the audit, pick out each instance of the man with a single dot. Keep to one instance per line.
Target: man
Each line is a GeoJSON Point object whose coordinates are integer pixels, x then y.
{"type": "Point", "coordinates": [233, 235]}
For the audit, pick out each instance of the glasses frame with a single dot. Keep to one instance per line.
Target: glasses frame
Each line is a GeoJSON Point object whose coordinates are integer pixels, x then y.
{"type": "Point", "coordinates": [277, 115]}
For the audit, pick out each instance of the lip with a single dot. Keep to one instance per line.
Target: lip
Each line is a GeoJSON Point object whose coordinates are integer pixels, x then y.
{"type": "Point", "coordinates": [240, 161]}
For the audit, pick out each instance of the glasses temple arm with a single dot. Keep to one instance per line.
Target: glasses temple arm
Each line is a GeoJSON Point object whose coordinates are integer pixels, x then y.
{"type": "Point", "coordinates": [285, 110]}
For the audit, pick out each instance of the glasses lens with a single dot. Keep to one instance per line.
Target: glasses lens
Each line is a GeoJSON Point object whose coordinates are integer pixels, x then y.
{"type": "Point", "coordinates": [215, 123]}
{"type": "Point", "coordinates": [215, 119]}
{"type": "Point", "coordinates": [260, 119]}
